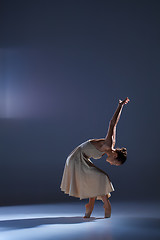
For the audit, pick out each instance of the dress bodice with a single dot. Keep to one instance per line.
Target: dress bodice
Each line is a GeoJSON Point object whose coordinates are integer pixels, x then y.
{"type": "Point", "coordinates": [90, 150]}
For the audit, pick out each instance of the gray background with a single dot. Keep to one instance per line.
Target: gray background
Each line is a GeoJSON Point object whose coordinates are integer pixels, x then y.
{"type": "Point", "coordinates": [63, 67]}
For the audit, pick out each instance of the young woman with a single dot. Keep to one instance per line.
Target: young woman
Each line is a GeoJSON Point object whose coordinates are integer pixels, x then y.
{"type": "Point", "coordinates": [82, 179]}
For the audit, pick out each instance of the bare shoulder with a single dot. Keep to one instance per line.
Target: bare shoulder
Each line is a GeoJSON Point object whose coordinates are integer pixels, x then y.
{"type": "Point", "coordinates": [100, 144]}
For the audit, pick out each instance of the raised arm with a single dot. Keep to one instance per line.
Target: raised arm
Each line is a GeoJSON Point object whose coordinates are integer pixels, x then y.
{"type": "Point", "coordinates": [110, 138]}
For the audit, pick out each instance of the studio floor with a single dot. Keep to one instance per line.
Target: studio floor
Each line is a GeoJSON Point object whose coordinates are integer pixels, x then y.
{"type": "Point", "coordinates": [129, 220]}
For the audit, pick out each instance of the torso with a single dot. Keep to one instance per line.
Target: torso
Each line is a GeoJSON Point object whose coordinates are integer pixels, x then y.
{"type": "Point", "coordinates": [100, 144]}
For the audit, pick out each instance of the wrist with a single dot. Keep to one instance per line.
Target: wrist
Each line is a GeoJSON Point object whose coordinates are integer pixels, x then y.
{"type": "Point", "coordinates": [120, 104]}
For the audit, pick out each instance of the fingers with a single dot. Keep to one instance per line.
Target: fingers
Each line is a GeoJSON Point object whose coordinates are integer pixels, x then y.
{"type": "Point", "coordinates": [127, 100]}
{"type": "Point", "coordinates": [124, 101]}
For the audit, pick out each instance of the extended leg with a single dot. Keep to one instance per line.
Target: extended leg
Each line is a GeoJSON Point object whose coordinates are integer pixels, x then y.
{"type": "Point", "coordinates": [89, 207]}
{"type": "Point", "coordinates": [92, 201]}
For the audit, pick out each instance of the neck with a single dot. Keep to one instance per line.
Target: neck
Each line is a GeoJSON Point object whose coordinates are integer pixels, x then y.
{"type": "Point", "coordinates": [110, 151]}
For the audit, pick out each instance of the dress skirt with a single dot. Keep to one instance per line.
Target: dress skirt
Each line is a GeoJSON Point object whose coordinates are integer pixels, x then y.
{"type": "Point", "coordinates": [82, 179]}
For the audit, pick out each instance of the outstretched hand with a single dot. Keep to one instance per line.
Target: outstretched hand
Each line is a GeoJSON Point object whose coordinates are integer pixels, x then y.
{"type": "Point", "coordinates": [125, 101]}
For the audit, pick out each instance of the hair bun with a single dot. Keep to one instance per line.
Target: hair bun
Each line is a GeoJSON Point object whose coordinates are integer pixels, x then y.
{"type": "Point", "coordinates": [124, 149]}
{"type": "Point", "coordinates": [122, 154]}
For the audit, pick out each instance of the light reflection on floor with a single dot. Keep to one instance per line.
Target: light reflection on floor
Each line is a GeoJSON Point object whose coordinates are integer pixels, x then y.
{"type": "Point", "coordinates": [65, 221]}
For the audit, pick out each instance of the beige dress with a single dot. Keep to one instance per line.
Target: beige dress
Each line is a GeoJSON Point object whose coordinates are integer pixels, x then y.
{"type": "Point", "coordinates": [81, 178]}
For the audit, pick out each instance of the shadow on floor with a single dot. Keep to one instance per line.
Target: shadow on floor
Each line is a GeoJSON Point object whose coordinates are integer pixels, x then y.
{"type": "Point", "coordinates": [35, 222]}
{"type": "Point", "coordinates": [130, 223]}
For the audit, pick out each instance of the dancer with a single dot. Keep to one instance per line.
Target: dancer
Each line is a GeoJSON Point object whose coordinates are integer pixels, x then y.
{"type": "Point", "coordinates": [82, 179]}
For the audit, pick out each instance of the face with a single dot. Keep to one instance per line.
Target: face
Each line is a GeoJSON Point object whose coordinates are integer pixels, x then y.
{"type": "Point", "coordinates": [113, 161]}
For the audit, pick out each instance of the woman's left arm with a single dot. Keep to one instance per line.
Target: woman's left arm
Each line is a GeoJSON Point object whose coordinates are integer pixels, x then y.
{"type": "Point", "coordinates": [111, 134]}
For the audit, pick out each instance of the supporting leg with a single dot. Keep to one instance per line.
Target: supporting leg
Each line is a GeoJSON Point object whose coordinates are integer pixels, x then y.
{"type": "Point", "coordinates": [107, 206]}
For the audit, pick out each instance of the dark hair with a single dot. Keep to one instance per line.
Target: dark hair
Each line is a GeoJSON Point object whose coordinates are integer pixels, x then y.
{"type": "Point", "coordinates": [122, 154]}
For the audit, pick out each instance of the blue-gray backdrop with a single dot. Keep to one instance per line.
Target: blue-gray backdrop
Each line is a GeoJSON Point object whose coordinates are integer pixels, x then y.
{"type": "Point", "coordinates": [63, 67]}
